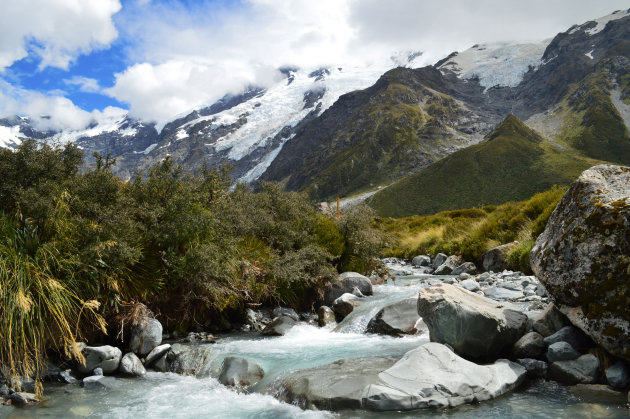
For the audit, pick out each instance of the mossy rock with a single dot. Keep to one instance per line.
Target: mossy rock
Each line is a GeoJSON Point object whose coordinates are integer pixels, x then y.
{"type": "Point", "coordinates": [583, 256]}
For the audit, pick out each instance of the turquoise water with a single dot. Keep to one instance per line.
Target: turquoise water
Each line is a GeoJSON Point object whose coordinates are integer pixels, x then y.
{"type": "Point", "coordinates": [165, 395]}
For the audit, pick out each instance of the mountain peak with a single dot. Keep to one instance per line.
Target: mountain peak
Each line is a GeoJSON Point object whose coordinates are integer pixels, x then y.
{"type": "Point", "coordinates": [513, 127]}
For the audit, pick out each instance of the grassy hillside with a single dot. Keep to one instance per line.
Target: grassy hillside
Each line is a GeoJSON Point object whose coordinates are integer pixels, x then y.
{"type": "Point", "coordinates": [511, 164]}
{"type": "Point", "coordinates": [472, 232]}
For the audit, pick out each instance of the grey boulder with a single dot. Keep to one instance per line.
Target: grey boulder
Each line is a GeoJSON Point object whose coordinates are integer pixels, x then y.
{"type": "Point", "coordinates": [561, 351]}
{"type": "Point", "coordinates": [581, 370]}
{"type": "Point", "coordinates": [530, 345]}
{"type": "Point", "coordinates": [574, 336]}
{"type": "Point", "coordinates": [279, 326]}
{"type": "Point", "coordinates": [283, 311]}
{"type": "Point", "coordinates": [465, 268]}
{"type": "Point", "coordinates": [156, 353]}
{"type": "Point", "coordinates": [474, 326]}
{"type": "Point", "coordinates": [21, 398]}
{"type": "Point", "coordinates": [432, 376]}
{"type": "Point", "coordinates": [421, 260]}
{"type": "Point", "coordinates": [145, 336]}
{"type": "Point", "coordinates": [535, 367]}
{"type": "Point", "coordinates": [618, 375]}
{"type": "Point", "coordinates": [131, 365]}
{"type": "Point", "coordinates": [549, 321]}
{"type": "Point", "coordinates": [582, 256]}
{"type": "Point", "coordinates": [187, 360]}
{"type": "Point", "coordinates": [438, 260]}
{"type": "Point", "coordinates": [496, 259]}
{"type": "Point", "coordinates": [470, 285]}
{"type": "Point", "coordinates": [105, 357]}
{"type": "Point", "coordinates": [502, 293]}
{"type": "Point", "coordinates": [345, 305]}
{"type": "Point", "coordinates": [396, 319]}
{"type": "Point", "coordinates": [345, 283]}
{"type": "Point", "coordinates": [99, 382]}
{"type": "Point", "coordinates": [240, 372]}
{"type": "Point", "coordinates": [449, 265]}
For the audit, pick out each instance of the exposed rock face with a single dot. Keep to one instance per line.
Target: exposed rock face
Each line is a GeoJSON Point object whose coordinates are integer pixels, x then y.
{"type": "Point", "coordinates": [105, 357]}
{"type": "Point", "coordinates": [474, 326]}
{"type": "Point", "coordinates": [583, 256]}
{"type": "Point", "coordinates": [345, 283]}
{"type": "Point", "coordinates": [496, 259]}
{"type": "Point", "coordinates": [279, 326]}
{"type": "Point", "coordinates": [399, 318]}
{"type": "Point", "coordinates": [432, 376]}
{"type": "Point", "coordinates": [335, 386]}
{"type": "Point", "coordinates": [240, 372]}
{"type": "Point", "coordinates": [145, 336]}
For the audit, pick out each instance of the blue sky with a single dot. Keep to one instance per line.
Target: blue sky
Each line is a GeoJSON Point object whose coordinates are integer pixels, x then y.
{"type": "Point", "coordinates": [79, 62]}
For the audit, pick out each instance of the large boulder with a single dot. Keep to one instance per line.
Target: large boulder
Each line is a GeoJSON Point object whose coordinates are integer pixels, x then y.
{"type": "Point", "coordinates": [582, 257]}
{"type": "Point", "coordinates": [99, 382]}
{"type": "Point", "coordinates": [449, 265]}
{"type": "Point", "coordinates": [157, 353]}
{"type": "Point", "coordinates": [105, 357]}
{"type": "Point", "coordinates": [574, 336]}
{"type": "Point", "coordinates": [335, 386]}
{"type": "Point", "coordinates": [561, 351]}
{"type": "Point", "coordinates": [421, 260]}
{"type": "Point", "coordinates": [145, 336]}
{"type": "Point", "coordinates": [279, 326]}
{"type": "Point", "coordinates": [549, 321]}
{"type": "Point", "coordinates": [284, 311]}
{"type": "Point", "coordinates": [530, 345]}
{"type": "Point", "coordinates": [345, 305]}
{"type": "Point", "coordinates": [396, 319]}
{"type": "Point", "coordinates": [189, 360]}
{"type": "Point", "coordinates": [325, 316]}
{"type": "Point", "coordinates": [495, 259]}
{"type": "Point", "coordinates": [432, 376]}
{"type": "Point", "coordinates": [618, 375]}
{"type": "Point", "coordinates": [345, 283]}
{"type": "Point", "coordinates": [465, 268]}
{"type": "Point", "coordinates": [240, 372]}
{"type": "Point", "coordinates": [474, 326]}
{"type": "Point", "coordinates": [131, 365]}
{"type": "Point", "coordinates": [439, 259]}
{"type": "Point", "coordinates": [581, 370]}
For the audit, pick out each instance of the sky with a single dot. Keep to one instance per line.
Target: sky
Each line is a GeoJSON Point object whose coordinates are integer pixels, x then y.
{"type": "Point", "coordinates": [69, 63]}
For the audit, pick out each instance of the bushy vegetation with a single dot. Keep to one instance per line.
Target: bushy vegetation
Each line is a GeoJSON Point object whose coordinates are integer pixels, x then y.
{"type": "Point", "coordinates": [76, 247]}
{"type": "Point", "coordinates": [511, 164]}
{"type": "Point", "coordinates": [472, 232]}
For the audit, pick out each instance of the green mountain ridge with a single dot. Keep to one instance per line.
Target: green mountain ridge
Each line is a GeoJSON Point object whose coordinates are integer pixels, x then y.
{"type": "Point", "coordinates": [513, 163]}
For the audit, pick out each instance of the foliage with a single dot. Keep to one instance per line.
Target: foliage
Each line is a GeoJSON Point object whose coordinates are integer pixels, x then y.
{"type": "Point", "coordinates": [472, 232]}
{"type": "Point", "coordinates": [76, 248]}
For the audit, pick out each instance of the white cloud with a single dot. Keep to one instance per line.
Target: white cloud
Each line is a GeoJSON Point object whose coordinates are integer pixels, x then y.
{"type": "Point", "coordinates": [56, 30]}
{"type": "Point", "coordinates": [48, 111]}
{"type": "Point", "coordinates": [85, 84]}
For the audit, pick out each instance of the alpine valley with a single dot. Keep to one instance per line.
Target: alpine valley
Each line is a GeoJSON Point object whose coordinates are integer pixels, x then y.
{"type": "Point", "coordinates": [494, 123]}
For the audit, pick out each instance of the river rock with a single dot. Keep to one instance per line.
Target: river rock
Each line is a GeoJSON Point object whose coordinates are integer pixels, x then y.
{"type": "Point", "coordinates": [156, 353]}
{"type": "Point", "coordinates": [240, 372]}
{"type": "Point", "coordinates": [597, 393]}
{"type": "Point", "coordinates": [561, 351]}
{"type": "Point", "coordinates": [470, 285]}
{"type": "Point", "coordinates": [618, 375]}
{"type": "Point", "coordinates": [21, 398]}
{"type": "Point", "coordinates": [496, 259]}
{"type": "Point", "coordinates": [131, 365]}
{"type": "Point", "coordinates": [325, 316]}
{"type": "Point", "coordinates": [283, 311]}
{"type": "Point", "coordinates": [99, 382]}
{"type": "Point", "coordinates": [145, 336]}
{"type": "Point", "coordinates": [535, 367]}
{"type": "Point", "coordinates": [396, 319]}
{"type": "Point", "coordinates": [432, 376]}
{"type": "Point", "coordinates": [421, 260]}
{"type": "Point", "coordinates": [580, 370]}
{"type": "Point", "coordinates": [549, 321]}
{"type": "Point", "coordinates": [345, 283]}
{"type": "Point", "coordinates": [582, 256]}
{"type": "Point", "coordinates": [279, 326]}
{"type": "Point", "coordinates": [474, 326]}
{"type": "Point", "coordinates": [574, 336]}
{"type": "Point", "coordinates": [187, 360]}
{"type": "Point", "coordinates": [335, 386]}
{"type": "Point", "coordinates": [344, 305]}
{"type": "Point", "coordinates": [502, 293]}
{"type": "Point", "coordinates": [105, 357]}
{"type": "Point", "coordinates": [438, 260]}
{"type": "Point", "coordinates": [530, 345]}
{"type": "Point", "coordinates": [465, 268]}
{"type": "Point", "coordinates": [449, 265]}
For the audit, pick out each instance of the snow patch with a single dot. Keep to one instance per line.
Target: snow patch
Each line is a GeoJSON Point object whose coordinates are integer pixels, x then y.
{"type": "Point", "coordinates": [590, 54]}
{"type": "Point", "coordinates": [10, 136]}
{"type": "Point", "coordinates": [496, 64]}
{"type": "Point", "coordinates": [260, 168]}
{"type": "Point", "coordinates": [601, 22]}
{"type": "Point", "coordinates": [147, 150]}
{"type": "Point", "coordinates": [181, 134]}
